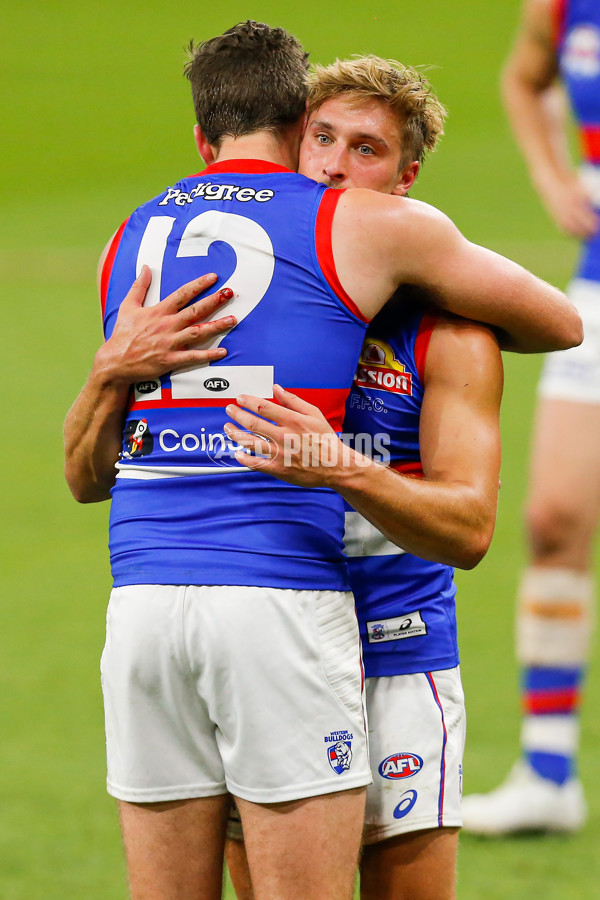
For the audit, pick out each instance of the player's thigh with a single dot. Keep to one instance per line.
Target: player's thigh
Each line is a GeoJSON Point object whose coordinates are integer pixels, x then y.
{"type": "Point", "coordinates": [174, 850]}
{"type": "Point", "coordinates": [564, 489]}
{"type": "Point", "coordinates": [417, 729]}
{"type": "Point", "coordinates": [305, 849]}
{"type": "Point", "coordinates": [420, 865]}
{"type": "Point", "coordinates": [160, 738]}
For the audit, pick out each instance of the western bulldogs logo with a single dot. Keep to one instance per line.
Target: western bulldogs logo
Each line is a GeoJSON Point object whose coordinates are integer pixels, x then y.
{"type": "Point", "coordinates": [339, 752]}
{"type": "Point", "coordinates": [340, 756]}
{"type": "Point", "coordinates": [400, 765]}
{"type": "Point", "coordinates": [377, 631]}
{"type": "Point", "coordinates": [138, 439]}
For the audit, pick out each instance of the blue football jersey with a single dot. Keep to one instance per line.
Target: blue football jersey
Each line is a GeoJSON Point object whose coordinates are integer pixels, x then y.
{"type": "Point", "coordinates": [578, 49]}
{"type": "Point", "coordinates": [184, 511]}
{"type": "Point", "coordinates": [405, 605]}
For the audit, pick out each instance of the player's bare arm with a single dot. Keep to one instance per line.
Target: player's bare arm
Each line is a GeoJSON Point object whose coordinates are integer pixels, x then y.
{"type": "Point", "coordinates": [382, 242]}
{"type": "Point", "coordinates": [446, 517]}
{"type": "Point", "coordinates": [537, 112]}
{"type": "Point", "coordinates": [146, 342]}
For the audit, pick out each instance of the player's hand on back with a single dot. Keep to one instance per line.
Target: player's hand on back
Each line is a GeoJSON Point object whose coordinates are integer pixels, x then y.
{"type": "Point", "coordinates": [148, 341]}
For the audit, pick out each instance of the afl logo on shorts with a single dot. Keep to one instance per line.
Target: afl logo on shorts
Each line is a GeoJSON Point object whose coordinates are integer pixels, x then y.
{"type": "Point", "coordinates": [340, 756]}
{"type": "Point", "coordinates": [400, 765]}
{"type": "Point", "coordinates": [216, 384]}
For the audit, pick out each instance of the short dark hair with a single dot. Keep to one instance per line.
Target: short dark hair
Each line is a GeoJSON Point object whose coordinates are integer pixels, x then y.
{"type": "Point", "coordinates": [250, 78]}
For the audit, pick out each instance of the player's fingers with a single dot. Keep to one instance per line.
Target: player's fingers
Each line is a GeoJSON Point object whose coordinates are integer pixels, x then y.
{"type": "Point", "coordinates": [253, 442]}
{"type": "Point", "coordinates": [251, 422]}
{"type": "Point", "coordinates": [291, 401]}
{"type": "Point", "coordinates": [205, 307]}
{"type": "Point", "coordinates": [197, 334]}
{"type": "Point", "coordinates": [182, 296]}
{"type": "Point", "coordinates": [267, 408]}
{"type": "Point", "coordinates": [137, 292]}
{"type": "Point", "coordinates": [186, 358]}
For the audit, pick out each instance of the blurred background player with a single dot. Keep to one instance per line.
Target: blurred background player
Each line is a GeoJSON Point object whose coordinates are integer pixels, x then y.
{"type": "Point", "coordinates": [371, 121]}
{"type": "Point", "coordinates": [558, 41]}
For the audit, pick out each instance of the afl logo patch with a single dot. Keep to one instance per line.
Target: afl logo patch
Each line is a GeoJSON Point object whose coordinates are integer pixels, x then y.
{"type": "Point", "coordinates": [147, 387]}
{"type": "Point", "coordinates": [216, 384]}
{"type": "Point", "coordinates": [400, 765]}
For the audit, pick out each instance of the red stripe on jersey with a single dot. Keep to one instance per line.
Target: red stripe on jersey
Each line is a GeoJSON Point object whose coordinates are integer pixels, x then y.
{"type": "Point", "coordinates": [323, 225]}
{"type": "Point", "coordinates": [590, 143]}
{"type": "Point", "coordinates": [331, 402]}
{"type": "Point", "coordinates": [408, 468]}
{"type": "Point", "coordinates": [559, 17]}
{"type": "Point", "coordinates": [562, 700]}
{"type": "Point", "coordinates": [243, 167]}
{"type": "Point", "coordinates": [422, 340]}
{"type": "Point", "coordinates": [108, 264]}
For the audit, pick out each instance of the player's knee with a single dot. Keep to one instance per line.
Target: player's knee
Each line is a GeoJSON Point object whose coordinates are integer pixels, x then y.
{"type": "Point", "coordinates": [553, 528]}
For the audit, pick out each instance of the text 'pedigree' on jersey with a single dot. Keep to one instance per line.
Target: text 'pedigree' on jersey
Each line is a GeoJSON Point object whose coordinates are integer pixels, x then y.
{"type": "Point", "coordinates": [209, 191]}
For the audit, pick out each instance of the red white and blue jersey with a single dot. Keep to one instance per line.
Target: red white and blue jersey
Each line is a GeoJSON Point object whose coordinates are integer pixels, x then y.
{"type": "Point", "coordinates": [577, 35]}
{"type": "Point", "coordinates": [184, 511]}
{"type": "Point", "coordinates": [405, 605]}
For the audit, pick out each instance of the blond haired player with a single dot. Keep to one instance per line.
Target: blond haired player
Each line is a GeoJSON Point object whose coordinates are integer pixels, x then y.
{"type": "Point", "coordinates": [371, 122]}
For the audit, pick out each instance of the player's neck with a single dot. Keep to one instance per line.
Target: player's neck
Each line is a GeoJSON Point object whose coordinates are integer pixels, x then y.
{"type": "Point", "coordinates": [280, 149]}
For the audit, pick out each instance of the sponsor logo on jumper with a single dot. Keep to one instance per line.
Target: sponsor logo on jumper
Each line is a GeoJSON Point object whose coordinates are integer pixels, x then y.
{"type": "Point", "coordinates": [400, 765]}
{"type": "Point", "coordinates": [379, 368]}
{"type": "Point", "coordinates": [396, 629]}
{"type": "Point", "coordinates": [206, 190]}
{"type": "Point", "coordinates": [339, 753]}
{"type": "Point", "coordinates": [581, 57]}
{"type": "Point", "coordinates": [216, 384]}
{"type": "Point", "coordinates": [138, 439]}
{"type": "Point", "coordinates": [218, 447]}
{"type": "Point", "coordinates": [407, 801]}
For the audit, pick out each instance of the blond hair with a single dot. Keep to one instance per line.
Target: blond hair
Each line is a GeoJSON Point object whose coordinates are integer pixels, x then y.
{"type": "Point", "coordinates": [409, 94]}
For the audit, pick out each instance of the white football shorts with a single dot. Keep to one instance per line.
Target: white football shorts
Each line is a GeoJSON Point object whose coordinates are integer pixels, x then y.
{"type": "Point", "coordinates": [417, 726]}
{"type": "Point", "coordinates": [255, 691]}
{"type": "Point", "coordinates": [574, 374]}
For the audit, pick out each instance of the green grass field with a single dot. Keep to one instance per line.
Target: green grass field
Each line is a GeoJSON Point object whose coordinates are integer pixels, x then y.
{"type": "Point", "coordinates": [96, 119]}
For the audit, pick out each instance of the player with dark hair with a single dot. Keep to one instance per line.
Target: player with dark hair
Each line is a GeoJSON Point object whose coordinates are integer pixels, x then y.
{"type": "Point", "coordinates": [232, 655]}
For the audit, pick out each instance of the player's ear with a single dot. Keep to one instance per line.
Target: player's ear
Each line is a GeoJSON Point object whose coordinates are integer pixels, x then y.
{"type": "Point", "coordinates": [204, 148]}
{"type": "Point", "coordinates": [406, 178]}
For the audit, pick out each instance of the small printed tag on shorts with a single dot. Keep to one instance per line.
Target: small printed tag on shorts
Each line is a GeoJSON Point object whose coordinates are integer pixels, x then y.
{"type": "Point", "coordinates": [396, 629]}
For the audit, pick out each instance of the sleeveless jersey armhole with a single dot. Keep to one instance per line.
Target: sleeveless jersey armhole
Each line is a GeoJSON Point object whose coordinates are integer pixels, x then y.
{"type": "Point", "coordinates": [108, 265]}
{"type": "Point", "coordinates": [559, 18]}
{"type": "Point", "coordinates": [422, 339]}
{"type": "Point", "coordinates": [324, 249]}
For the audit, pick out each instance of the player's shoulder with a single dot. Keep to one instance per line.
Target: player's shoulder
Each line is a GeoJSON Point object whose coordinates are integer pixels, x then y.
{"type": "Point", "coordinates": [392, 212]}
{"type": "Point", "coordinates": [458, 344]}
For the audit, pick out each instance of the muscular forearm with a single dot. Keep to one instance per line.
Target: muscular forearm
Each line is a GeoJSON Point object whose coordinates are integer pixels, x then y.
{"type": "Point", "coordinates": [451, 523]}
{"type": "Point", "coordinates": [92, 433]}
